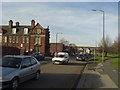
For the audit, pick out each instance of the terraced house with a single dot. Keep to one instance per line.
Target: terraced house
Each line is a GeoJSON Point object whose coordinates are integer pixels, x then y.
{"type": "Point", "coordinates": [28, 38]}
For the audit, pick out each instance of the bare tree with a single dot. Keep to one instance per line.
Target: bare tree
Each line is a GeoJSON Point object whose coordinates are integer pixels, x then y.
{"type": "Point", "coordinates": [65, 42]}
{"type": "Point", "coordinates": [116, 45]}
{"type": "Point", "coordinates": [72, 49]}
{"type": "Point", "coordinates": [106, 45]}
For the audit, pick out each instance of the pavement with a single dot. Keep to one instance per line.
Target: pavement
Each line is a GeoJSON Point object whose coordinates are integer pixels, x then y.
{"type": "Point", "coordinates": [47, 60]}
{"type": "Point", "coordinates": [96, 76]}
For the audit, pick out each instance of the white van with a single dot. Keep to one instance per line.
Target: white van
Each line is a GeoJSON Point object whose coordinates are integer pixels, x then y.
{"type": "Point", "coordinates": [61, 58]}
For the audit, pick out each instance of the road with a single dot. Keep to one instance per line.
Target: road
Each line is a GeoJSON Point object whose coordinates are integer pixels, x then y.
{"type": "Point", "coordinates": [57, 76]}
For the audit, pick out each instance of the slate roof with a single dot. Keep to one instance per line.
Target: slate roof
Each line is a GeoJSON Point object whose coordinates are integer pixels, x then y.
{"type": "Point", "coordinates": [19, 29]}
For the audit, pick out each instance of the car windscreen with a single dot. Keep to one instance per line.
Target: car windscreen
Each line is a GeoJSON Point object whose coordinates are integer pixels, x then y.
{"type": "Point", "coordinates": [11, 62]}
{"type": "Point", "coordinates": [80, 56]}
{"type": "Point", "coordinates": [60, 55]}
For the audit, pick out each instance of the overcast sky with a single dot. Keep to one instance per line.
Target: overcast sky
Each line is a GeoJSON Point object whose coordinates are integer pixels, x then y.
{"type": "Point", "coordinates": [75, 20]}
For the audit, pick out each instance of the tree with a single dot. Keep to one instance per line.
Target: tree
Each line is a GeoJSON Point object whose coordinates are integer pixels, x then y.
{"type": "Point", "coordinates": [106, 44]}
{"type": "Point", "coordinates": [71, 48]}
{"type": "Point", "coordinates": [65, 42]}
{"type": "Point", "coordinates": [116, 45]}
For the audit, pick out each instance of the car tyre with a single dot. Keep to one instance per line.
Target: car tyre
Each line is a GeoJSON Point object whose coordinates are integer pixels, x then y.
{"type": "Point", "coordinates": [14, 84]}
{"type": "Point", "coordinates": [37, 75]}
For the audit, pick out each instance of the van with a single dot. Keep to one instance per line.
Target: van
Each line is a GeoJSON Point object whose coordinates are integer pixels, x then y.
{"type": "Point", "coordinates": [61, 58]}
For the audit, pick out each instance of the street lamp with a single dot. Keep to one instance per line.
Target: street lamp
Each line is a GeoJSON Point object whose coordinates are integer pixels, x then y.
{"type": "Point", "coordinates": [56, 41]}
{"type": "Point", "coordinates": [103, 32]}
{"type": "Point", "coordinates": [94, 50]}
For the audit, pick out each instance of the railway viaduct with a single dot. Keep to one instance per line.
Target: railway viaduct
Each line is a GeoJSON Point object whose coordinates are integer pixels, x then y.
{"type": "Point", "coordinates": [89, 50]}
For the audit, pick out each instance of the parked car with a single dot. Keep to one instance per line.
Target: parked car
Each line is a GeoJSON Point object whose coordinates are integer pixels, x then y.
{"type": "Point", "coordinates": [38, 56]}
{"type": "Point", "coordinates": [81, 57]}
{"type": "Point", "coordinates": [61, 58]}
{"type": "Point", "coordinates": [17, 69]}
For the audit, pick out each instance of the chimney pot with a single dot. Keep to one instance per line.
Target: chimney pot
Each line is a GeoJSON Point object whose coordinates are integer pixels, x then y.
{"type": "Point", "coordinates": [17, 23]}
{"type": "Point", "coordinates": [32, 23]}
{"type": "Point", "coordinates": [47, 27]}
{"type": "Point", "coordinates": [10, 24]}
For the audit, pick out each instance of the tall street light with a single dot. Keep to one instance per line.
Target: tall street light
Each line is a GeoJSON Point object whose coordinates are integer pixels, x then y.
{"type": "Point", "coordinates": [103, 31]}
{"type": "Point", "coordinates": [56, 41]}
{"type": "Point", "coordinates": [95, 49]}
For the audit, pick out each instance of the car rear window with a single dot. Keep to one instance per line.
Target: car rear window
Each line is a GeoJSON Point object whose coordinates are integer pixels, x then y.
{"type": "Point", "coordinates": [60, 55]}
{"type": "Point", "coordinates": [11, 62]}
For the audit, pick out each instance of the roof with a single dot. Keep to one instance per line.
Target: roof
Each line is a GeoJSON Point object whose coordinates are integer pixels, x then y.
{"type": "Point", "coordinates": [20, 29]}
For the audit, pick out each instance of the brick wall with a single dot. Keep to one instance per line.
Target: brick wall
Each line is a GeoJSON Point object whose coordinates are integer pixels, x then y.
{"type": "Point", "coordinates": [60, 47]}
{"type": "Point", "coordinates": [6, 50]}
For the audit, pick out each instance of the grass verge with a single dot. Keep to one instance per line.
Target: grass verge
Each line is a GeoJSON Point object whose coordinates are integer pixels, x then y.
{"type": "Point", "coordinates": [116, 63]}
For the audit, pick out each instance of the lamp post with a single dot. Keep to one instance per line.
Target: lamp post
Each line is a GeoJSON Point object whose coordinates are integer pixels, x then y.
{"type": "Point", "coordinates": [94, 50]}
{"type": "Point", "coordinates": [56, 42]}
{"type": "Point", "coordinates": [103, 32]}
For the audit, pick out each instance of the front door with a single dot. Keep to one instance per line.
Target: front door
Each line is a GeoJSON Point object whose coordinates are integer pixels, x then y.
{"type": "Point", "coordinates": [37, 48]}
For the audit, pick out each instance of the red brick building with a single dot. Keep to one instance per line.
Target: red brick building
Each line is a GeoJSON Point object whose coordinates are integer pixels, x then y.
{"type": "Point", "coordinates": [28, 38]}
{"type": "Point", "coordinates": [60, 47]}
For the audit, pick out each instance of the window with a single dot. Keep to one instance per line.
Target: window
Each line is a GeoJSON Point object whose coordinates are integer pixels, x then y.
{"type": "Point", "coordinates": [26, 48]}
{"type": "Point", "coordinates": [0, 37]}
{"type": "Point", "coordinates": [38, 31]}
{"type": "Point", "coordinates": [14, 31]}
{"type": "Point", "coordinates": [10, 39]}
{"type": "Point", "coordinates": [26, 62]}
{"type": "Point", "coordinates": [17, 39]}
{"type": "Point", "coordinates": [33, 61]}
{"type": "Point", "coordinates": [38, 40]}
{"type": "Point", "coordinates": [13, 39]}
{"type": "Point", "coordinates": [11, 62]}
{"type": "Point", "coordinates": [37, 48]}
{"type": "Point", "coordinates": [27, 39]}
{"type": "Point", "coordinates": [5, 39]}
{"type": "Point", "coordinates": [25, 30]}
{"type": "Point", "coordinates": [23, 39]}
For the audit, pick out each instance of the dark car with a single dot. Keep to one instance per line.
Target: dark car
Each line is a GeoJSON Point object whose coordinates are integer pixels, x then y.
{"type": "Point", "coordinates": [38, 56]}
{"type": "Point", "coordinates": [80, 57]}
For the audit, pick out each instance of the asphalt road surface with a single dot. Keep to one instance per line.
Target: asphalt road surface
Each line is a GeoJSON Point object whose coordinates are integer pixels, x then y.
{"type": "Point", "coordinates": [57, 76]}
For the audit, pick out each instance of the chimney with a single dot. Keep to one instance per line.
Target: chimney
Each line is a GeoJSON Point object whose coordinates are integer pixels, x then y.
{"type": "Point", "coordinates": [10, 24]}
{"type": "Point", "coordinates": [47, 27]}
{"type": "Point", "coordinates": [32, 23]}
{"type": "Point", "coordinates": [17, 23]}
